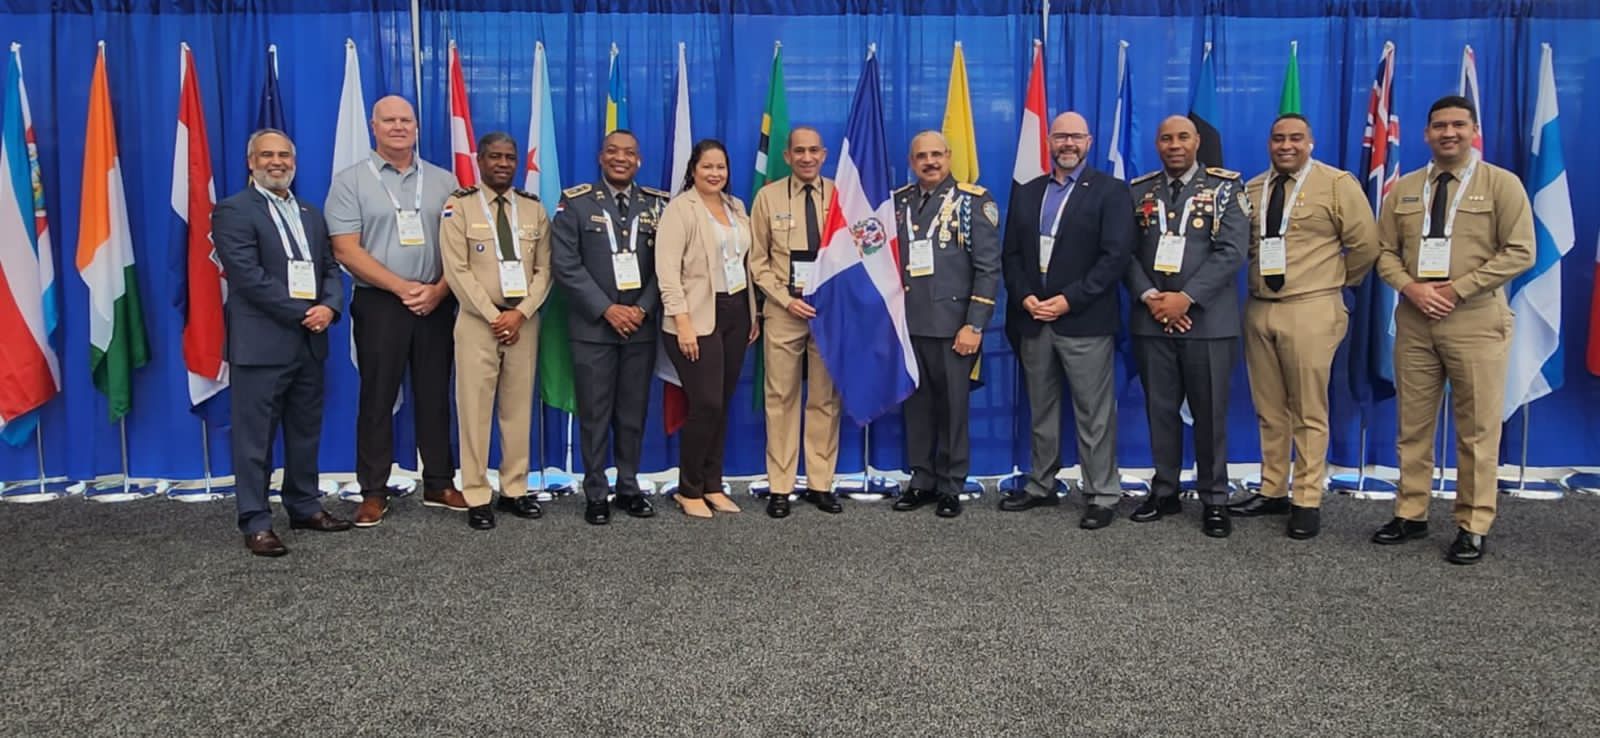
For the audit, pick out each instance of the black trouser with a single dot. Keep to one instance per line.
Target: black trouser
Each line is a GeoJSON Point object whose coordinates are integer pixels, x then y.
{"type": "Point", "coordinates": [1196, 369]}
{"type": "Point", "coordinates": [613, 393]}
{"type": "Point", "coordinates": [389, 338]}
{"type": "Point", "coordinates": [265, 397]}
{"type": "Point", "coordinates": [709, 384]}
{"type": "Point", "coordinates": [937, 444]}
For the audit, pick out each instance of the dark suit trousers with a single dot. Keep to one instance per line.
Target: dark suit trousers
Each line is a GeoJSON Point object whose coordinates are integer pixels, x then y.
{"type": "Point", "coordinates": [937, 444]}
{"type": "Point", "coordinates": [613, 388]}
{"type": "Point", "coordinates": [389, 339]}
{"type": "Point", "coordinates": [709, 384]}
{"type": "Point", "coordinates": [265, 397]}
{"type": "Point", "coordinates": [1195, 368]}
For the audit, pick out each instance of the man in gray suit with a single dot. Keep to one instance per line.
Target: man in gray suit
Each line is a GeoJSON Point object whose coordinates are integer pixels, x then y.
{"type": "Point", "coordinates": [603, 255]}
{"type": "Point", "coordinates": [284, 292]}
{"type": "Point", "coordinates": [950, 246]}
{"type": "Point", "coordinates": [1193, 229]}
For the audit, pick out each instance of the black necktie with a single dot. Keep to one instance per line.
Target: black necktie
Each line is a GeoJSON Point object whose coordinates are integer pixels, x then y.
{"type": "Point", "coordinates": [924, 204]}
{"type": "Point", "coordinates": [813, 229]}
{"type": "Point", "coordinates": [502, 226]}
{"type": "Point", "coordinates": [1436, 219]}
{"type": "Point", "coordinates": [1174, 189]}
{"type": "Point", "coordinates": [1275, 225]}
{"type": "Point", "coordinates": [622, 205]}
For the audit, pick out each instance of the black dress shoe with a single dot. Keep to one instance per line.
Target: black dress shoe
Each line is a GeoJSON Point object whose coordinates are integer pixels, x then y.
{"type": "Point", "coordinates": [1400, 530]}
{"type": "Point", "coordinates": [321, 522]}
{"type": "Point", "coordinates": [1467, 548]}
{"type": "Point", "coordinates": [1024, 501]}
{"type": "Point", "coordinates": [1096, 517]}
{"type": "Point", "coordinates": [949, 506]}
{"type": "Point", "coordinates": [914, 498]}
{"type": "Point", "coordinates": [1304, 522]}
{"type": "Point", "coordinates": [636, 506]}
{"type": "Point", "coordinates": [265, 543]}
{"type": "Point", "coordinates": [522, 507]}
{"type": "Point", "coordinates": [480, 517]}
{"type": "Point", "coordinates": [1214, 521]}
{"type": "Point", "coordinates": [1156, 508]}
{"type": "Point", "coordinates": [827, 502]}
{"type": "Point", "coordinates": [777, 506]}
{"type": "Point", "coordinates": [1258, 504]}
{"type": "Point", "coordinates": [596, 513]}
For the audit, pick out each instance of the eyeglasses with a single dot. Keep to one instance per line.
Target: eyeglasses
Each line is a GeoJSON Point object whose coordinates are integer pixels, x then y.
{"type": "Point", "coordinates": [1074, 137]}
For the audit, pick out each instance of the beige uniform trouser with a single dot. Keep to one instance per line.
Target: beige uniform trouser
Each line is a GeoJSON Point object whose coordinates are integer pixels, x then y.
{"type": "Point", "coordinates": [788, 344]}
{"type": "Point", "coordinates": [485, 370]}
{"type": "Point", "coordinates": [1288, 348]}
{"type": "Point", "coordinates": [1470, 348]}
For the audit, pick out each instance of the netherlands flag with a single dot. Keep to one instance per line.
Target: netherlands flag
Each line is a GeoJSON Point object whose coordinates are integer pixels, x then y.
{"type": "Point", "coordinates": [860, 326]}
{"type": "Point", "coordinates": [205, 287]}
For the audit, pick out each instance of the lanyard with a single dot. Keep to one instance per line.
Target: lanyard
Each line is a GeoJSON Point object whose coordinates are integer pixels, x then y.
{"type": "Point", "coordinates": [633, 234]}
{"type": "Point", "coordinates": [1288, 204]}
{"type": "Point", "coordinates": [726, 235]}
{"type": "Point", "coordinates": [294, 248]}
{"type": "Point", "coordinates": [1183, 224]}
{"type": "Point", "coordinates": [1072, 184]}
{"type": "Point", "coordinates": [1450, 215]}
{"type": "Point", "coordinates": [911, 225]}
{"type": "Point", "coordinates": [421, 170]}
{"type": "Point", "coordinates": [516, 241]}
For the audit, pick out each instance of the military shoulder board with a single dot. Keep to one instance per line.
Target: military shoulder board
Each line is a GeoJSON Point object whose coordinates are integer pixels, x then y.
{"type": "Point", "coordinates": [578, 190]}
{"type": "Point", "coordinates": [1145, 177]}
{"type": "Point", "coordinates": [1223, 173]}
{"type": "Point", "coordinates": [464, 191]}
{"type": "Point", "coordinates": [527, 194]}
{"type": "Point", "coordinates": [655, 192]}
{"type": "Point", "coordinates": [971, 189]}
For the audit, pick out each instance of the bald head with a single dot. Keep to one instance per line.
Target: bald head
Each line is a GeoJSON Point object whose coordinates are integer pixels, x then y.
{"type": "Point", "coordinates": [394, 127]}
{"type": "Point", "coordinates": [1177, 141]}
{"type": "Point", "coordinates": [930, 158]}
{"type": "Point", "coordinates": [1069, 143]}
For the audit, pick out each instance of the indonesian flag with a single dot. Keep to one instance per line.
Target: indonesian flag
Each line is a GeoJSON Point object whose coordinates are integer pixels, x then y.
{"type": "Point", "coordinates": [193, 196]}
{"type": "Point", "coordinates": [1033, 156]}
{"type": "Point", "coordinates": [462, 162]}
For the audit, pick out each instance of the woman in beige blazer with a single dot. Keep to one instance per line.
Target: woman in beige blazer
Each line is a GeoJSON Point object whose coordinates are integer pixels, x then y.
{"type": "Point", "coordinates": [702, 243]}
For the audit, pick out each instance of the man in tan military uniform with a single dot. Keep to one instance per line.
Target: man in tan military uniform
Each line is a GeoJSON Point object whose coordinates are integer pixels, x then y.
{"type": "Point", "coordinates": [1304, 217]}
{"type": "Point", "coordinates": [1452, 235]}
{"type": "Point", "coordinates": [495, 244]}
{"type": "Point", "coordinates": [786, 219]}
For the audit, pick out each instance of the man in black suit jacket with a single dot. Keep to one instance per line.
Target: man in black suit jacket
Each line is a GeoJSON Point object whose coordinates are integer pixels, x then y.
{"type": "Point", "coordinates": [1068, 240]}
{"type": "Point", "coordinates": [283, 293]}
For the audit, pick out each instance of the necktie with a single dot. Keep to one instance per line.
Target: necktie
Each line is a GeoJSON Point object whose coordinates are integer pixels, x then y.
{"type": "Point", "coordinates": [622, 204]}
{"type": "Point", "coordinates": [924, 204]}
{"type": "Point", "coordinates": [1436, 219]}
{"type": "Point", "coordinates": [813, 230]}
{"type": "Point", "coordinates": [502, 226]}
{"type": "Point", "coordinates": [1275, 224]}
{"type": "Point", "coordinates": [1173, 190]}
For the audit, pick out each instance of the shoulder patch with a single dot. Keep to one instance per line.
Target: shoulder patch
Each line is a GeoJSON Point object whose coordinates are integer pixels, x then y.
{"type": "Point", "coordinates": [1223, 173]}
{"type": "Point", "coordinates": [464, 191]}
{"type": "Point", "coordinates": [653, 191]}
{"type": "Point", "coordinates": [1145, 177]}
{"type": "Point", "coordinates": [971, 189]}
{"type": "Point", "coordinates": [578, 191]}
{"type": "Point", "coordinates": [525, 193]}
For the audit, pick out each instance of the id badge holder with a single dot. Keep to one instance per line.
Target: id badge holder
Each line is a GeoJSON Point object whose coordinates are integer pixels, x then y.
{"type": "Point", "coordinates": [302, 280]}
{"type": "Point", "coordinates": [920, 263]}
{"type": "Point", "coordinates": [1047, 246]}
{"type": "Point", "coordinates": [1433, 259]}
{"type": "Point", "coordinates": [1169, 254]}
{"type": "Point", "coordinates": [733, 273]}
{"type": "Point", "coordinates": [625, 265]}
{"type": "Point", "coordinates": [513, 280]}
{"type": "Point", "coordinates": [410, 222]}
{"type": "Point", "coordinates": [1273, 257]}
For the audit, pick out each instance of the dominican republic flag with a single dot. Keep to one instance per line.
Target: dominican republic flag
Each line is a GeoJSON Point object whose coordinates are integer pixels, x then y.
{"type": "Point", "coordinates": [1372, 319]}
{"type": "Point", "coordinates": [1469, 90]}
{"type": "Point", "coordinates": [1536, 356]}
{"type": "Point", "coordinates": [30, 371]}
{"type": "Point", "coordinates": [462, 161]}
{"type": "Point", "coordinates": [1033, 155]}
{"type": "Point", "coordinates": [204, 285]}
{"type": "Point", "coordinates": [860, 326]}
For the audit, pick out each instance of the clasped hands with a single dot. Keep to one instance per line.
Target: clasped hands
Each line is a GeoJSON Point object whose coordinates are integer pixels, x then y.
{"type": "Point", "coordinates": [1171, 310]}
{"type": "Point", "coordinates": [1434, 299]}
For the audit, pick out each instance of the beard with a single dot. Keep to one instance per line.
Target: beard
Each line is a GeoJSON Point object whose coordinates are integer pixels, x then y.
{"type": "Point", "coordinates": [267, 180]}
{"type": "Point", "coordinates": [1068, 160]}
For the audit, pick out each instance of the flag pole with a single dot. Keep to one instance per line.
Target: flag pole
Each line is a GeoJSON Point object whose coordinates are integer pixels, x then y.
{"type": "Point", "coordinates": [1538, 489]}
{"type": "Point", "coordinates": [1441, 449]}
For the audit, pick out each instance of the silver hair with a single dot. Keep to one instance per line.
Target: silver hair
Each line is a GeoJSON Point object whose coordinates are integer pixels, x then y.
{"type": "Point", "coordinates": [250, 148]}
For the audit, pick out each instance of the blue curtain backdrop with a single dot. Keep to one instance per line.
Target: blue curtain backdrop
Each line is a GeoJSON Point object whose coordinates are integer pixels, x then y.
{"type": "Point", "coordinates": [729, 48]}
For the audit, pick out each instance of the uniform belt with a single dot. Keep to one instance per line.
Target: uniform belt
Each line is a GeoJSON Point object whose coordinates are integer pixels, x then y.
{"type": "Point", "coordinates": [1300, 297]}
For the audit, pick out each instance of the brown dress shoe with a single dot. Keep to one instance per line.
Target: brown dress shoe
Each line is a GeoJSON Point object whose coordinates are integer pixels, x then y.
{"type": "Point", "coordinates": [371, 510]}
{"type": "Point", "coordinates": [322, 522]}
{"type": "Point", "coordinates": [265, 543]}
{"type": "Point", "coordinates": [721, 502]}
{"type": "Point", "coordinates": [449, 497]}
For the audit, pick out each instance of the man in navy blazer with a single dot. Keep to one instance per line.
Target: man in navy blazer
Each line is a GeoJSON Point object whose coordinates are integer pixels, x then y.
{"type": "Point", "coordinates": [283, 293]}
{"type": "Point", "coordinates": [1069, 237]}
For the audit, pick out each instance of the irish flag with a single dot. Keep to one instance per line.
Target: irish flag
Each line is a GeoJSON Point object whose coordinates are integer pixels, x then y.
{"type": "Point", "coordinates": [117, 343]}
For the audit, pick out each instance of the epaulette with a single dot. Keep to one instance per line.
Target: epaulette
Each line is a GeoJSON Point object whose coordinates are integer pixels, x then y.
{"type": "Point", "coordinates": [1145, 177]}
{"type": "Point", "coordinates": [525, 193]}
{"type": "Point", "coordinates": [1223, 173]}
{"type": "Point", "coordinates": [906, 188]}
{"type": "Point", "coordinates": [971, 189]}
{"type": "Point", "coordinates": [663, 194]}
{"type": "Point", "coordinates": [578, 190]}
{"type": "Point", "coordinates": [464, 191]}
